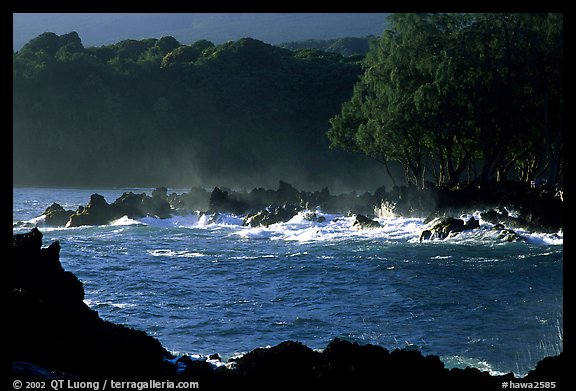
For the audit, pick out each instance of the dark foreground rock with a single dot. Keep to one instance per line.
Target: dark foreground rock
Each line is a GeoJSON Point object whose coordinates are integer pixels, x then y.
{"type": "Point", "coordinates": [51, 327]}
{"type": "Point", "coordinates": [52, 334]}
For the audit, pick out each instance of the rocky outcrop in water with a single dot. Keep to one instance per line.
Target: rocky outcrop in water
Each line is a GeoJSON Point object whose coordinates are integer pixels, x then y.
{"type": "Point", "coordinates": [512, 205]}
{"type": "Point", "coordinates": [140, 205]}
{"type": "Point", "coordinates": [448, 227]}
{"type": "Point", "coordinates": [503, 220]}
{"type": "Point", "coordinates": [99, 212]}
{"type": "Point", "coordinates": [220, 201]}
{"type": "Point", "coordinates": [363, 222]}
{"type": "Point", "coordinates": [271, 215]}
{"type": "Point", "coordinates": [195, 200]}
{"type": "Point", "coordinates": [56, 215]}
{"type": "Point", "coordinates": [535, 209]}
{"type": "Point", "coordinates": [96, 212]}
{"type": "Point", "coordinates": [507, 235]}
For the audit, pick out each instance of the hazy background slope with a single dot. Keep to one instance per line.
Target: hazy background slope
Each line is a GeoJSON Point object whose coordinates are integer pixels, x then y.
{"type": "Point", "coordinates": [98, 29]}
{"type": "Point", "coordinates": [154, 112]}
{"type": "Point", "coordinates": [103, 106]}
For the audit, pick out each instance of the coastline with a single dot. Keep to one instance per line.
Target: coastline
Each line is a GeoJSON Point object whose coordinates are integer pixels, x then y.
{"type": "Point", "coordinates": [514, 205]}
{"type": "Point", "coordinates": [52, 321]}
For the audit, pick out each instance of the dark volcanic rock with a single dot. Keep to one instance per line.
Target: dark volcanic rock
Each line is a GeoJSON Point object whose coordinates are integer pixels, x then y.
{"type": "Point", "coordinates": [346, 365]}
{"type": "Point", "coordinates": [363, 222]}
{"type": "Point", "coordinates": [56, 215]}
{"type": "Point", "coordinates": [96, 212]}
{"type": "Point", "coordinates": [160, 193]}
{"type": "Point", "coordinates": [472, 223]}
{"type": "Point", "coordinates": [448, 227]}
{"type": "Point", "coordinates": [443, 229]}
{"type": "Point", "coordinates": [552, 368]}
{"type": "Point", "coordinates": [99, 212]}
{"type": "Point", "coordinates": [140, 205]}
{"type": "Point", "coordinates": [289, 363]}
{"type": "Point", "coordinates": [220, 201]}
{"type": "Point", "coordinates": [503, 217]}
{"type": "Point", "coordinates": [287, 193]}
{"type": "Point", "coordinates": [51, 327]}
{"type": "Point", "coordinates": [197, 199]}
{"type": "Point", "coordinates": [272, 215]}
{"type": "Point", "coordinates": [351, 364]}
{"type": "Point", "coordinates": [508, 235]}
{"type": "Point", "coordinates": [536, 209]}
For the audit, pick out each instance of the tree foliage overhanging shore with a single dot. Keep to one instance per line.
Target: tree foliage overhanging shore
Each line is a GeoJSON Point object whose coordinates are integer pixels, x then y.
{"type": "Point", "coordinates": [453, 97]}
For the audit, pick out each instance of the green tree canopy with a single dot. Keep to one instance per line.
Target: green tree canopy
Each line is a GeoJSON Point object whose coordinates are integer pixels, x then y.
{"type": "Point", "coordinates": [461, 96]}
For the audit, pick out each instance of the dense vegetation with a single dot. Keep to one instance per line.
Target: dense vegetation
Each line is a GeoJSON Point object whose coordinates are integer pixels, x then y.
{"type": "Point", "coordinates": [451, 98]}
{"type": "Point", "coordinates": [454, 98]}
{"type": "Point", "coordinates": [155, 112]}
{"type": "Point", "coordinates": [346, 46]}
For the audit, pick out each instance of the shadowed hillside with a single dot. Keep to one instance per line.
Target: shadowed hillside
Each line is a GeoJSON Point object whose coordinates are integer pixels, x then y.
{"type": "Point", "coordinates": [156, 112]}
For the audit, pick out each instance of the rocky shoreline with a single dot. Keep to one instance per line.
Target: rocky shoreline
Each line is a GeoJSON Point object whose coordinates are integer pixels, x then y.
{"type": "Point", "coordinates": [53, 334]}
{"type": "Point", "coordinates": [506, 206]}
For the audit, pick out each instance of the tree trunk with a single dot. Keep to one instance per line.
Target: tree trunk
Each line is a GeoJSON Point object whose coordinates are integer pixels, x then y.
{"type": "Point", "coordinates": [555, 162]}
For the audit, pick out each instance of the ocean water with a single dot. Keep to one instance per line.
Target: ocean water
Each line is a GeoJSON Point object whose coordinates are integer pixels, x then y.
{"type": "Point", "coordinates": [207, 284]}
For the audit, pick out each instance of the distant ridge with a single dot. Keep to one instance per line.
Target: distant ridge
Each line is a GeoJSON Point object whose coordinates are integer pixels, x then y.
{"type": "Point", "coordinates": [346, 46]}
{"type": "Point", "coordinates": [97, 29]}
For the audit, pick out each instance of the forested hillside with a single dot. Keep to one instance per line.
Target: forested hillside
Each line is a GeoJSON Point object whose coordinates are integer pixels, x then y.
{"type": "Point", "coordinates": [155, 112]}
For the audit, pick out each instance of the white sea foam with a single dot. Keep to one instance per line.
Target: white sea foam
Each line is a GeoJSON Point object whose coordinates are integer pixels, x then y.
{"type": "Point", "coordinates": [256, 233]}
{"type": "Point", "coordinates": [302, 229]}
{"type": "Point", "coordinates": [250, 258]}
{"type": "Point", "coordinates": [486, 234]}
{"type": "Point", "coordinates": [338, 227]}
{"type": "Point", "coordinates": [92, 303]}
{"type": "Point", "coordinates": [317, 226]}
{"type": "Point", "coordinates": [555, 239]}
{"type": "Point", "coordinates": [88, 302]}
{"type": "Point", "coordinates": [189, 220]}
{"type": "Point", "coordinates": [463, 362]}
{"type": "Point", "coordinates": [223, 219]}
{"type": "Point", "coordinates": [172, 253]}
{"type": "Point", "coordinates": [125, 220]}
{"type": "Point", "coordinates": [441, 257]}
{"type": "Point", "coordinates": [39, 221]}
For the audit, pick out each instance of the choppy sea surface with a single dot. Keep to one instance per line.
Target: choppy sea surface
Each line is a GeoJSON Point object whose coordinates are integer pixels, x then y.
{"type": "Point", "coordinates": [205, 284]}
